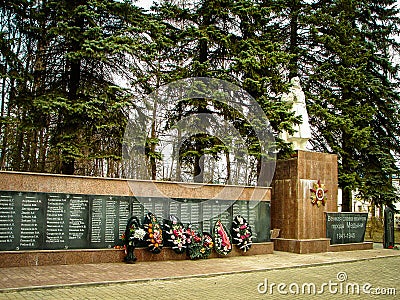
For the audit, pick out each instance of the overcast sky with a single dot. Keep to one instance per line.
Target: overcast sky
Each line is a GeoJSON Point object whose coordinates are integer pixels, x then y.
{"type": "Point", "coordinates": [144, 3]}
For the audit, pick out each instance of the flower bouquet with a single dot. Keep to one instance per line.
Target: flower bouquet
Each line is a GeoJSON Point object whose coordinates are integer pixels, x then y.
{"type": "Point", "coordinates": [175, 234]}
{"type": "Point", "coordinates": [222, 239]}
{"type": "Point", "coordinates": [195, 242]}
{"type": "Point", "coordinates": [208, 245]}
{"type": "Point", "coordinates": [241, 233]}
{"type": "Point", "coordinates": [154, 233]}
{"type": "Point", "coordinates": [133, 234]}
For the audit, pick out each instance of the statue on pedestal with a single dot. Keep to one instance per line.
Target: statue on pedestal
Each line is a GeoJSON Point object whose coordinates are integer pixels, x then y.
{"type": "Point", "coordinates": [302, 131]}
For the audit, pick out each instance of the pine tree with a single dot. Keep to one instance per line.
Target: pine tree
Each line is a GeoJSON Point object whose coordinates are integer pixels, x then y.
{"type": "Point", "coordinates": [200, 32]}
{"type": "Point", "coordinates": [354, 105]}
{"type": "Point", "coordinates": [75, 52]}
{"type": "Point", "coordinates": [230, 40]}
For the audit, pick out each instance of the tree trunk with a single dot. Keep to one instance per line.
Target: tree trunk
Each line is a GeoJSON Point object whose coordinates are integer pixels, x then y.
{"type": "Point", "coordinates": [71, 122]}
{"type": "Point", "coordinates": [3, 127]}
{"type": "Point", "coordinates": [346, 200]}
{"type": "Point", "coordinates": [153, 164]}
{"type": "Point", "coordinates": [198, 172]}
{"type": "Point", "coordinates": [228, 168]}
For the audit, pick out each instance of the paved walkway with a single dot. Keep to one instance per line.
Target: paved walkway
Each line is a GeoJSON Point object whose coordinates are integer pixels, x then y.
{"type": "Point", "coordinates": [173, 279]}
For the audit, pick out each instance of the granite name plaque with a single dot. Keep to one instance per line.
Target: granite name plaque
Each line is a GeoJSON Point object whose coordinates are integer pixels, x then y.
{"type": "Point", "coordinates": [345, 228]}
{"type": "Point", "coordinates": [56, 222]}
{"type": "Point", "coordinates": [7, 220]}
{"type": "Point", "coordinates": [108, 218]}
{"type": "Point", "coordinates": [21, 220]}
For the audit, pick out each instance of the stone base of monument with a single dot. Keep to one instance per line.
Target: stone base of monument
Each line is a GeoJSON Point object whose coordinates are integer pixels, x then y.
{"type": "Point", "coordinates": [30, 258]}
{"type": "Point", "coordinates": [91, 256]}
{"type": "Point", "coordinates": [316, 246]}
{"type": "Point", "coordinates": [351, 247]}
{"type": "Point", "coordinates": [303, 246]}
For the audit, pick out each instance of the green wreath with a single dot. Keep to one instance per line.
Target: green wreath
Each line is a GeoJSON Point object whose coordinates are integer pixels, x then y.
{"type": "Point", "coordinates": [195, 240]}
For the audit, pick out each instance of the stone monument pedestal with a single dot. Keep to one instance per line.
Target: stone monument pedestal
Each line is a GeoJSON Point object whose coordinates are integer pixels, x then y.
{"type": "Point", "coordinates": [302, 225]}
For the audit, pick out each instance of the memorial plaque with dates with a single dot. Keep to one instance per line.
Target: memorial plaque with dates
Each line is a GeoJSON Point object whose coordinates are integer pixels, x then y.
{"type": "Point", "coordinates": [174, 208]}
{"type": "Point", "coordinates": [207, 214]}
{"type": "Point", "coordinates": [158, 206]}
{"type": "Point", "coordinates": [21, 221]}
{"type": "Point", "coordinates": [97, 222]}
{"type": "Point", "coordinates": [240, 208]}
{"type": "Point", "coordinates": [344, 228]}
{"type": "Point", "coordinates": [223, 215]}
{"type": "Point", "coordinates": [109, 215]}
{"type": "Point", "coordinates": [123, 214]}
{"type": "Point", "coordinates": [185, 212]}
{"type": "Point", "coordinates": [195, 213]}
{"type": "Point", "coordinates": [212, 210]}
{"type": "Point", "coordinates": [111, 222]}
{"type": "Point", "coordinates": [137, 209]}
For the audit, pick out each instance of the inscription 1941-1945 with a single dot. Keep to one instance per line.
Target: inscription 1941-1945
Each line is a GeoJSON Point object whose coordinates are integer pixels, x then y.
{"type": "Point", "coordinates": [345, 228]}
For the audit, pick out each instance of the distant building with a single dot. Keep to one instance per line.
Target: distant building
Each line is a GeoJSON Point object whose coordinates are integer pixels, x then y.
{"type": "Point", "coordinates": [362, 205]}
{"type": "Point", "coordinates": [396, 183]}
{"type": "Point", "coordinates": [358, 204]}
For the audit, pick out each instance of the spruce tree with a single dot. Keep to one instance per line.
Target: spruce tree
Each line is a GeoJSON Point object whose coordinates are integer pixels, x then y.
{"type": "Point", "coordinates": [70, 115]}
{"type": "Point", "coordinates": [353, 101]}
{"type": "Point", "coordinates": [230, 40]}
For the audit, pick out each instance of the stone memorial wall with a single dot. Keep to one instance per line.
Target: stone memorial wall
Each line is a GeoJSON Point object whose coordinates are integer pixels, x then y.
{"type": "Point", "coordinates": [44, 220]}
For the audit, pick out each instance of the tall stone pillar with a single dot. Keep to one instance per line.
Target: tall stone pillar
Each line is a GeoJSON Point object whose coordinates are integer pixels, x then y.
{"type": "Point", "coordinates": [302, 224]}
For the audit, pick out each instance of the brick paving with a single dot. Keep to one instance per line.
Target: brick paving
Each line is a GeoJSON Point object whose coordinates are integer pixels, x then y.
{"type": "Point", "coordinates": [220, 278]}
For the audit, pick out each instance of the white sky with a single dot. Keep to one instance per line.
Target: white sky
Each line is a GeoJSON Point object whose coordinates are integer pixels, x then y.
{"type": "Point", "coordinates": [144, 3]}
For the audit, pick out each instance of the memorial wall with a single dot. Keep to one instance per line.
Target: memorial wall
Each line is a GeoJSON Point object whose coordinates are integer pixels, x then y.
{"type": "Point", "coordinates": [64, 221]}
{"type": "Point", "coordinates": [32, 220]}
